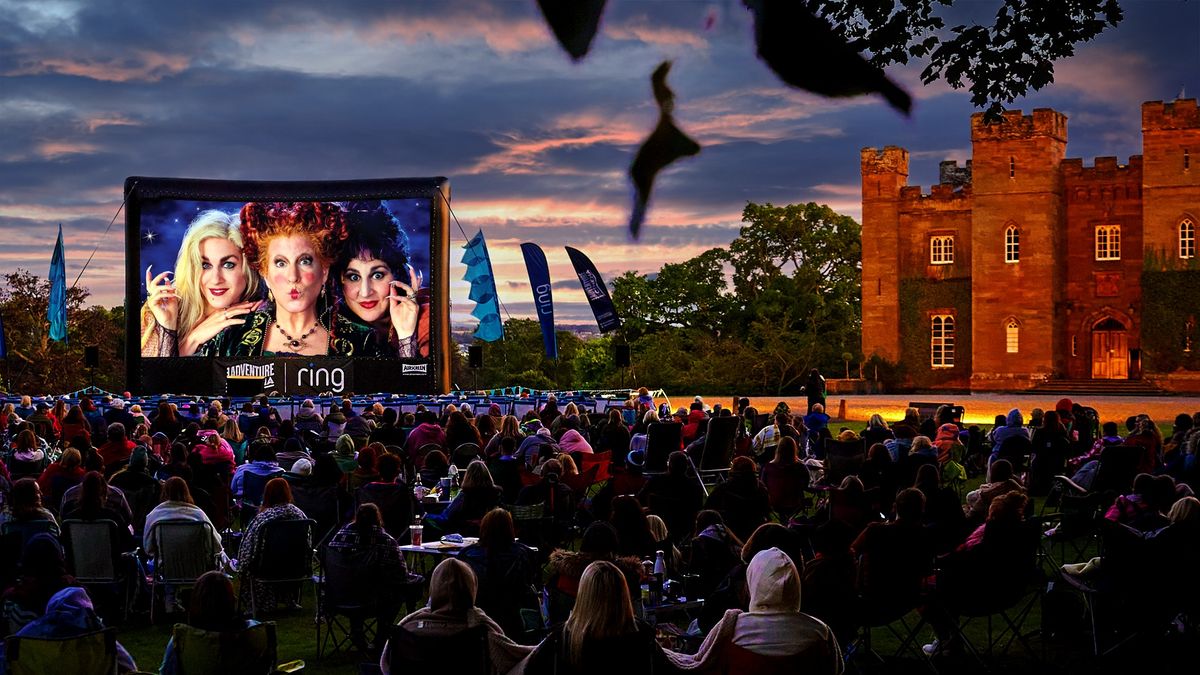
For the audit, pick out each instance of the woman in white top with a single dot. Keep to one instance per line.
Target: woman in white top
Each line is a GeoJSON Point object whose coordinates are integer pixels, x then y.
{"type": "Point", "coordinates": [177, 504]}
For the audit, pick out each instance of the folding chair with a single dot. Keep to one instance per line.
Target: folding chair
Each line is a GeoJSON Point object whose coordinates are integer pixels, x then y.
{"type": "Point", "coordinates": [464, 454]}
{"type": "Point", "coordinates": [183, 551]}
{"type": "Point", "coordinates": [92, 653]}
{"type": "Point", "coordinates": [250, 651]}
{"type": "Point", "coordinates": [718, 448]}
{"type": "Point", "coordinates": [347, 587]}
{"type": "Point", "coordinates": [662, 438]}
{"type": "Point", "coordinates": [253, 487]}
{"type": "Point", "coordinates": [843, 459]}
{"type": "Point", "coordinates": [287, 556]}
{"type": "Point", "coordinates": [94, 559]}
{"type": "Point", "coordinates": [410, 652]}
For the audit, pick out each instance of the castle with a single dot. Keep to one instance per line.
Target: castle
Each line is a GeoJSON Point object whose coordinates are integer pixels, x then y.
{"type": "Point", "coordinates": [1025, 266]}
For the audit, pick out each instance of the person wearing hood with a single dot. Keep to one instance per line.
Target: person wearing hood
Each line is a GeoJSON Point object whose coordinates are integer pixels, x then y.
{"type": "Point", "coordinates": [528, 450]}
{"type": "Point", "coordinates": [949, 448]}
{"type": "Point", "coordinates": [573, 441]}
{"type": "Point", "coordinates": [691, 428]}
{"type": "Point", "coordinates": [307, 418]}
{"type": "Point", "coordinates": [359, 428]}
{"type": "Point", "coordinates": [451, 610]}
{"type": "Point", "coordinates": [774, 636]}
{"type": "Point", "coordinates": [335, 423]}
{"type": "Point", "coordinates": [428, 432]}
{"type": "Point", "coordinates": [69, 613]}
{"type": "Point", "coordinates": [601, 635]}
{"type": "Point", "coordinates": [1014, 427]}
{"type": "Point", "coordinates": [344, 453]}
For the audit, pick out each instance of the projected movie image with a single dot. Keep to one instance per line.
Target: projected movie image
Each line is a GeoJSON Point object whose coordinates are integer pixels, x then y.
{"type": "Point", "coordinates": [266, 289]}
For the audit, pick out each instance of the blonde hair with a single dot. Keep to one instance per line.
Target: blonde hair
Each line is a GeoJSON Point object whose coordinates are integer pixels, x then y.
{"type": "Point", "coordinates": [650, 416]}
{"type": "Point", "coordinates": [571, 409]}
{"type": "Point", "coordinates": [231, 431]}
{"type": "Point", "coordinates": [602, 609]}
{"type": "Point", "coordinates": [658, 527]}
{"type": "Point", "coordinates": [1185, 510]}
{"type": "Point", "coordinates": [477, 476]}
{"type": "Point", "coordinates": [568, 465]}
{"type": "Point", "coordinates": [211, 224]}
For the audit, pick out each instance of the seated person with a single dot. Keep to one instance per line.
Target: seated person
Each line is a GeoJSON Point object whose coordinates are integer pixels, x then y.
{"type": "Point", "coordinates": [391, 495]}
{"type": "Point", "coordinates": [713, 551]}
{"type": "Point", "coordinates": [451, 610]}
{"type": "Point", "coordinates": [177, 504]}
{"type": "Point", "coordinates": [212, 608]}
{"type": "Point", "coordinates": [894, 558]}
{"type": "Point", "coordinates": [742, 499]}
{"type": "Point", "coordinates": [1000, 481]}
{"type": "Point", "coordinates": [263, 464]}
{"type": "Point", "coordinates": [276, 506]}
{"type": "Point", "coordinates": [774, 636]}
{"type": "Point", "coordinates": [1144, 508]}
{"type": "Point", "coordinates": [566, 567]}
{"type": "Point", "coordinates": [69, 613]}
{"type": "Point", "coordinates": [477, 496]}
{"type": "Point", "coordinates": [506, 571]}
{"type": "Point", "coordinates": [676, 496]}
{"type": "Point", "coordinates": [25, 505]}
{"type": "Point", "coordinates": [43, 572]}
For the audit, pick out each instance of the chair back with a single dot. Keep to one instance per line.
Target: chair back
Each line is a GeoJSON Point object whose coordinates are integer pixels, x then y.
{"type": "Point", "coordinates": [250, 651]}
{"type": "Point", "coordinates": [320, 504]}
{"type": "Point", "coordinates": [92, 653]}
{"type": "Point", "coordinates": [287, 551]}
{"type": "Point", "coordinates": [347, 580]}
{"type": "Point", "coordinates": [426, 449]}
{"type": "Point", "coordinates": [843, 459]}
{"type": "Point", "coordinates": [253, 486]}
{"type": "Point", "coordinates": [184, 550]}
{"type": "Point", "coordinates": [1118, 468]}
{"type": "Point", "coordinates": [19, 469]}
{"type": "Point", "coordinates": [418, 653]}
{"type": "Point", "coordinates": [662, 438]}
{"type": "Point", "coordinates": [719, 443]}
{"type": "Point", "coordinates": [26, 529]}
{"type": "Point", "coordinates": [600, 460]}
{"type": "Point", "coordinates": [464, 454]}
{"type": "Point", "coordinates": [91, 550]}
{"type": "Point", "coordinates": [395, 504]}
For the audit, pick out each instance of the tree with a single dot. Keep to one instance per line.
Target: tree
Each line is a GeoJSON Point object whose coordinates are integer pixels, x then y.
{"type": "Point", "coordinates": [37, 364]}
{"type": "Point", "coordinates": [520, 359]}
{"type": "Point", "coordinates": [690, 294]}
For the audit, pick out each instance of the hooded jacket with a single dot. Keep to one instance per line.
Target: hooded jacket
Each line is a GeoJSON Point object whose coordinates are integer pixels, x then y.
{"type": "Point", "coordinates": [573, 441]}
{"type": "Point", "coordinates": [775, 633]}
{"type": "Point", "coordinates": [69, 613]}
{"type": "Point", "coordinates": [947, 443]}
{"type": "Point", "coordinates": [1014, 426]}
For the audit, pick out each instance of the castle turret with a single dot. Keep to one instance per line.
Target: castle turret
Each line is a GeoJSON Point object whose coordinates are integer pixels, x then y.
{"type": "Point", "coordinates": [1170, 173]}
{"type": "Point", "coordinates": [884, 173]}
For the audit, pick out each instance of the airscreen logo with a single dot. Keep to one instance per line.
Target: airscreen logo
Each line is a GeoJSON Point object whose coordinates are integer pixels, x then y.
{"type": "Point", "coordinates": [414, 368]}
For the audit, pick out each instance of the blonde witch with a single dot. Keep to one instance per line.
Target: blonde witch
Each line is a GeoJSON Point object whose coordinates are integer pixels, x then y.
{"type": "Point", "coordinates": [211, 224]}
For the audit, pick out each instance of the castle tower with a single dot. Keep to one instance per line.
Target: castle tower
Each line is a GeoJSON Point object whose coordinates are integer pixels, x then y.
{"type": "Point", "coordinates": [1016, 290]}
{"type": "Point", "coordinates": [1170, 175]}
{"type": "Point", "coordinates": [884, 172]}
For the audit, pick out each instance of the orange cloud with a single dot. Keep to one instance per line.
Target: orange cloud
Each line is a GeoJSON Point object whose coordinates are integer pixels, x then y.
{"type": "Point", "coordinates": [94, 122]}
{"type": "Point", "coordinates": [60, 149]}
{"type": "Point", "coordinates": [505, 35]}
{"type": "Point", "coordinates": [137, 65]}
{"type": "Point", "coordinates": [662, 36]}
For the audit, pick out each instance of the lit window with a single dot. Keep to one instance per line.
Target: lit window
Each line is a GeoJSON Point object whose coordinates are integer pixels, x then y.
{"type": "Point", "coordinates": [941, 250]}
{"type": "Point", "coordinates": [1012, 245]}
{"type": "Point", "coordinates": [941, 342]}
{"type": "Point", "coordinates": [1074, 345]}
{"type": "Point", "coordinates": [1012, 336]}
{"type": "Point", "coordinates": [1108, 242]}
{"type": "Point", "coordinates": [1187, 238]}
{"type": "Point", "coordinates": [1012, 167]}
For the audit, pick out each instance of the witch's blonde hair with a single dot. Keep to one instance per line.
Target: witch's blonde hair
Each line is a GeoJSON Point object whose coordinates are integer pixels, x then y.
{"type": "Point", "coordinates": [602, 609]}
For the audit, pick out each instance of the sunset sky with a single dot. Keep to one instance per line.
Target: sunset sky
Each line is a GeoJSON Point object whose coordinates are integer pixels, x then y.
{"type": "Point", "coordinates": [536, 147]}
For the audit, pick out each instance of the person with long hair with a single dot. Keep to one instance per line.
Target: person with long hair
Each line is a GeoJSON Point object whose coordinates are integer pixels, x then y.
{"type": "Point", "coordinates": [366, 539]}
{"type": "Point", "coordinates": [74, 424]}
{"type": "Point", "coordinates": [292, 246]}
{"type": "Point", "coordinates": [25, 505]}
{"type": "Point", "coordinates": [479, 494]}
{"type": "Point", "coordinates": [506, 570]}
{"type": "Point", "coordinates": [177, 504]}
{"type": "Point", "coordinates": [510, 427]}
{"type": "Point", "coordinates": [380, 292]}
{"type": "Point", "coordinates": [459, 430]}
{"type": "Point", "coordinates": [276, 506]}
{"type": "Point", "coordinates": [43, 572]}
{"type": "Point", "coordinates": [601, 635]}
{"type": "Point", "coordinates": [211, 288]}
{"type": "Point", "coordinates": [213, 608]}
{"type": "Point", "coordinates": [452, 609]}
{"type": "Point", "coordinates": [61, 476]}
{"type": "Point", "coordinates": [633, 530]}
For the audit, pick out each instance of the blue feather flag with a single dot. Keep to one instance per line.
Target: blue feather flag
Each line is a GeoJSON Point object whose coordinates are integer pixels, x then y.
{"type": "Point", "coordinates": [57, 313]}
{"type": "Point", "coordinates": [483, 289]}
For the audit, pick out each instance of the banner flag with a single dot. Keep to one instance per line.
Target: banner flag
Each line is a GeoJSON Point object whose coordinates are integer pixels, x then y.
{"type": "Point", "coordinates": [57, 312]}
{"type": "Point", "coordinates": [596, 291]}
{"type": "Point", "coordinates": [483, 289]}
{"type": "Point", "coordinates": [543, 300]}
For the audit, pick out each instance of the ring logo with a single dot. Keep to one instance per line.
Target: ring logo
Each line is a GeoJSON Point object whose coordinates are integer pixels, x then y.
{"type": "Point", "coordinates": [414, 368]}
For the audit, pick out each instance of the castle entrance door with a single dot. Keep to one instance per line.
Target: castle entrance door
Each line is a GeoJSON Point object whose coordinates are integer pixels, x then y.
{"type": "Point", "coordinates": [1110, 351]}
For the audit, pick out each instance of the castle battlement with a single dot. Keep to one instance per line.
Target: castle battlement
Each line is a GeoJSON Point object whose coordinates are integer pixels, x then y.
{"type": "Point", "coordinates": [1178, 114]}
{"type": "Point", "coordinates": [1017, 126]}
{"type": "Point", "coordinates": [891, 159]}
{"type": "Point", "coordinates": [1103, 168]}
{"type": "Point", "coordinates": [941, 192]}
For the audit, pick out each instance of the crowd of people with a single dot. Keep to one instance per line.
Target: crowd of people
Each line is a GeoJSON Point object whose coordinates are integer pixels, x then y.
{"type": "Point", "coordinates": [814, 531]}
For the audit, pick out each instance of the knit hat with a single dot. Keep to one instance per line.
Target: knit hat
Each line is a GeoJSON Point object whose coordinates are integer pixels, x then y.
{"type": "Point", "coordinates": [344, 446]}
{"type": "Point", "coordinates": [138, 459]}
{"type": "Point", "coordinates": [118, 404]}
{"type": "Point", "coordinates": [302, 467]}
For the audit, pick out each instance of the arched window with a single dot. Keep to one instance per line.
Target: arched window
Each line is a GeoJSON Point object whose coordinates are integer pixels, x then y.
{"type": "Point", "coordinates": [941, 342]}
{"type": "Point", "coordinates": [1012, 244]}
{"type": "Point", "coordinates": [941, 250]}
{"type": "Point", "coordinates": [1187, 238]}
{"type": "Point", "coordinates": [1108, 242]}
{"type": "Point", "coordinates": [1012, 336]}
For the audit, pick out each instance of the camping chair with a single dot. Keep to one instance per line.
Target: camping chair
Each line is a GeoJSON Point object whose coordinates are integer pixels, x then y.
{"type": "Point", "coordinates": [347, 586]}
{"type": "Point", "coordinates": [662, 438]}
{"type": "Point", "coordinates": [92, 653]}
{"type": "Point", "coordinates": [395, 504]}
{"type": "Point", "coordinates": [93, 558]}
{"type": "Point", "coordinates": [718, 447]}
{"type": "Point", "coordinates": [287, 556]}
{"type": "Point", "coordinates": [320, 504]}
{"type": "Point", "coordinates": [183, 551]}
{"type": "Point", "coordinates": [843, 459]}
{"type": "Point", "coordinates": [464, 454]}
{"type": "Point", "coordinates": [601, 461]}
{"type": "Point", "coordinates": [253, 487]}
{"type": "Point", "coordinates": [250, 651]}
{"type": "Point", "coordinates": [410, 652]}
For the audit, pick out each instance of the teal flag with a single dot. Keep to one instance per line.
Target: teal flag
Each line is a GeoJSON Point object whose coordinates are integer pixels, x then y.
{"type": "Point", "coordinates": [57, 313]}
{"type": "Point", "coordinates": [483, 289]}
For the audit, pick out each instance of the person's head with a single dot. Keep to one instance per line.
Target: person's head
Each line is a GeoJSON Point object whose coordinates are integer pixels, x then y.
{"type": "Point", "coordinates": [774, 535]}
{"type": "Point", "coordinates": [176, 490]}
{"type": "Point", "coordinates": [1185, 511]}
{"type": "Point", "coordinates": [477, 476]}
{"type": "Point", "coordinates": [1051, 420]}
{"type": "Point", "coordinates": [70, 459]}
{"type": "Point", "coordinates": [658, 527]}
{"type": "Point", "coordinates": [852, 485]}
{"type": "Point", "coordinates": [292, 245]}
{"type": "Point", "coordinates": [920, 444]}
{"type": "Point", "coordinates": [818, 408]}
{"type": "Point", "coordinates": [213, 605]}
{"type": "Point", "coordinates": [1000, 421]}
{"type": "Point", "coordinates": [910, 505]}
{"type": "Point", "coordinates": [706, 519]}
{"type": "Point", "coordinates": [116, 432]}
{"type": "Point", "coordinates": [367, 516]}
{"type": "Point", "coordinates": [452, 587]}
{"type": "Point", "coordinates": [374, 256]}
{"type": "Point", "coordinates": [928, 479]}
{"type": "Point", "coordinates": [677, 464]}
{"type": "Point", "coordinates": [436, 461]}
{"type": "Point", "coordinates": [557, 467]}
{"type": "Point", "coordinates": [1001, 470]}
{"type": "Point", "coordinates": [1008, 508]}
{"type": "Point", "coordinates": [325, 471]}
{"type": "Point", "coordinates": [367, 458]}
{"type": "Point", "coordinates": [1109, 429]}
{"type": "Point", "coordinates": [602, 609]}
{"type": "Point", "coordinates": [628, 517]}
{"type": "Point", "coordinates": [277, 493]}
{"type": "Point", "coordinates": [743, 465]}
{"type": "Point", "coordinates": [389, 467]}
{"type": "Point", "coordinates": [26, 401]}
{"type": "Point", "coordinates": [787, 451]}
{"type": "Point", "coordinates": [774, 583]}
{"type": "Point", "coordinates": [496, 530]}
{"type": "Point", "coordinates": [651, 416]}
{"type": "Point", "coordinates": [599, 540]}
{"type": "Point", "coordinates": [25, 497]}
{"type": "Point", "coordinates": [876, 422]}
{"type": "Point", "coordinates": [43, 557]}
{"type": "Point", "coordinates": [211, 271]}
{"type": "Point", "coordinates": [878, 454]}
{"type": "Point", "coordinates": [26, 440]}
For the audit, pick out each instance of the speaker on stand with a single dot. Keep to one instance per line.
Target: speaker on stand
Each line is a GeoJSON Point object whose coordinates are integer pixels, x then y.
{"type": "Point", "coordinates": [475, 363]}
